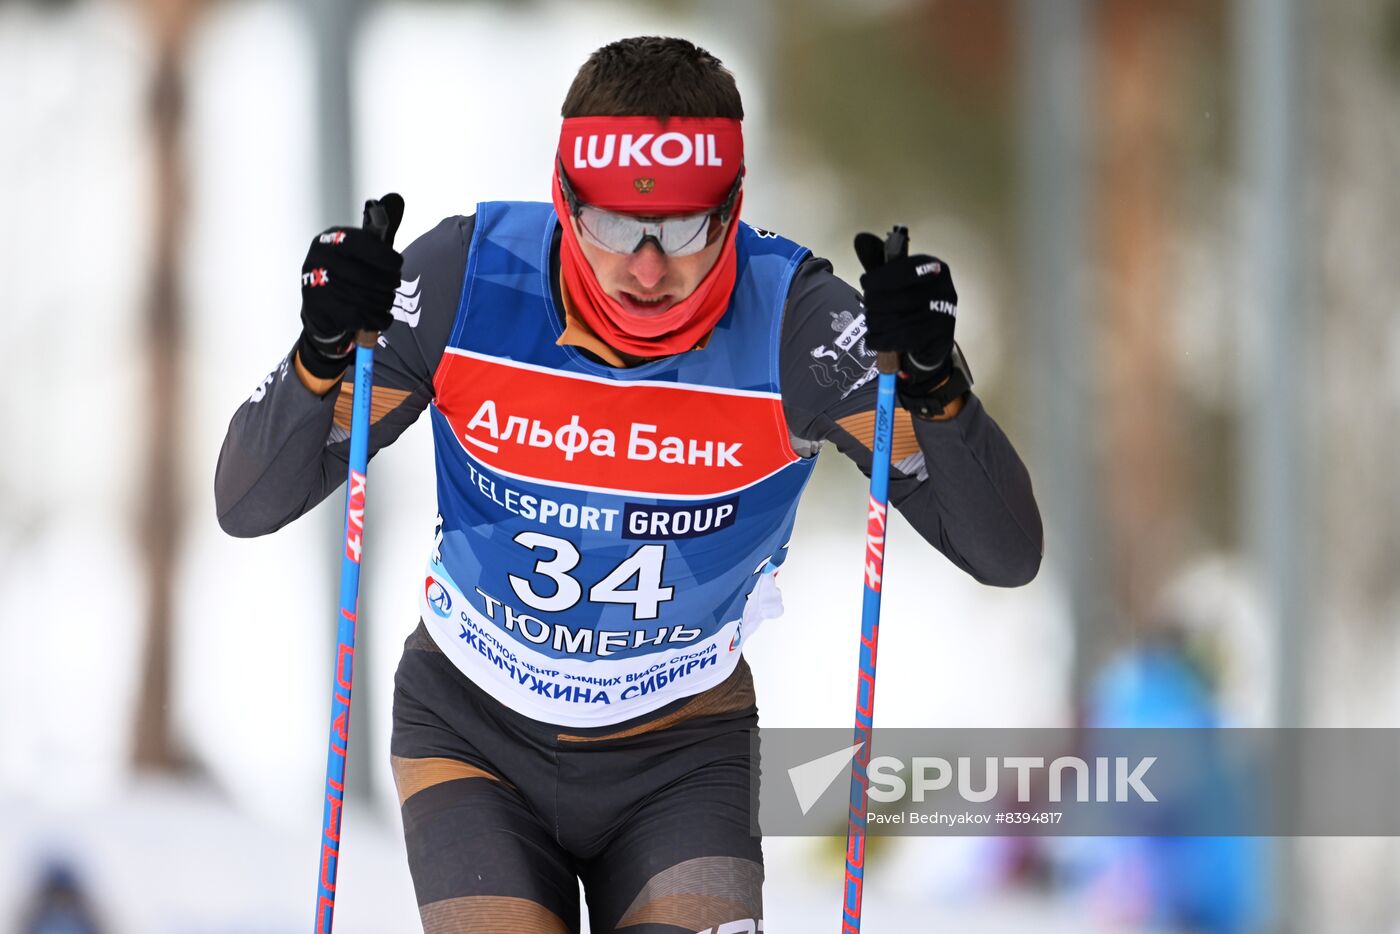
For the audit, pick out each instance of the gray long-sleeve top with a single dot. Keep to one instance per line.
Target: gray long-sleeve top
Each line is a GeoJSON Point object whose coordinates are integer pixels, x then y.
{"type": "Point", "coordinates": [959, 482]}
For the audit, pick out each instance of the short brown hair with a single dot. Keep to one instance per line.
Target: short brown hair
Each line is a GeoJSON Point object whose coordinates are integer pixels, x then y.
{"type": "Point", "coordinates": [653, 76]}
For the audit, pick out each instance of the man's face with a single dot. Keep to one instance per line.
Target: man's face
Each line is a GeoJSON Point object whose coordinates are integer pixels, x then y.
{"type": "Point", "coordinates": [648, 282]}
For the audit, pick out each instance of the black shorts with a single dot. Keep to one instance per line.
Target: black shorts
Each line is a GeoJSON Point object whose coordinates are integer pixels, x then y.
{"type": "Point", "coordinates": [503, 815]}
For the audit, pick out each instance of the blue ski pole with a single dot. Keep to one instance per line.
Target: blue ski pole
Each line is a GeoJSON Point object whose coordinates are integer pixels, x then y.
{"type": "Point", "coordinates": [896, 244]}
{"type": "Point", "coordinates": [376, 219]}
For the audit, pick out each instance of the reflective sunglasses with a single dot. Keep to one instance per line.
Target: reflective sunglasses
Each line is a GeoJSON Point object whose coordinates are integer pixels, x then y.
{"type": "Point", "coordinates": [675, 235]}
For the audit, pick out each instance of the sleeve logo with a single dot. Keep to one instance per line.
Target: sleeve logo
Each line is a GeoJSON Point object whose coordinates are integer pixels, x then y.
{"type": "Point", "coordinates": [406, 302]}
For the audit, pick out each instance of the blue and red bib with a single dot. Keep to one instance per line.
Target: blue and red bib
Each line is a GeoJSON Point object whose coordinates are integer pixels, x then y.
{"type": "Point", "coordinates": [608, 536]}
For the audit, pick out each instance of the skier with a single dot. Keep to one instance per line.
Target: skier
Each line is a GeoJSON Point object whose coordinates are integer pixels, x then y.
{"type": "Point", "coordinates": [628, 389]}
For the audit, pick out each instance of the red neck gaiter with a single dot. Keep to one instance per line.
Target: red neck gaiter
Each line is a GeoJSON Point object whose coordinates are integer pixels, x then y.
{"type": "Point", "coordinates": [649, 167]}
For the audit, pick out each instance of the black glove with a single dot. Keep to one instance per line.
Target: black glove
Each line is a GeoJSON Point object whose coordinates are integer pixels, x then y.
{"type": "Point", "coordinates": [347, 285]}
{"type": "Point", "coordinates": [911, 307]}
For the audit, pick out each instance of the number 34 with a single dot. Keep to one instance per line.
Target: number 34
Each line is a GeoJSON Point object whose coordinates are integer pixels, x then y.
{"type": "Point", "coordinates": [644, 564]}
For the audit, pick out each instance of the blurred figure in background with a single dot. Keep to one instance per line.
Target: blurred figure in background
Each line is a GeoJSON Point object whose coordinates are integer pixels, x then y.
{"type": "Point", "coordinates": [59, 904]}
{"type": "Point", "coordinates": [1169, 678]}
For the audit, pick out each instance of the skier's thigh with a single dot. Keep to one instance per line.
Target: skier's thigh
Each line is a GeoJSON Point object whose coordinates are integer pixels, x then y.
{"type": "Point", "coordinates": [685, 861]}
{"type": "Point", "coordinates": [481, 862]}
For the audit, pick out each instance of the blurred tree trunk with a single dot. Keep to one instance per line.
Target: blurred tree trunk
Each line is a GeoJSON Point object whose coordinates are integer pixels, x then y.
{"type": "Point", "coordinates": [1352, 621]}
{"type": "Point", "coordinates": [170, 25]}
{"type": "Point", "coordinates": [1140, 104]}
